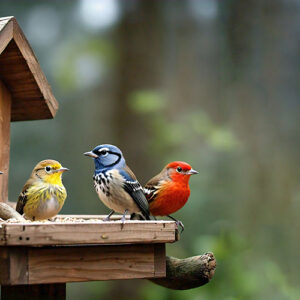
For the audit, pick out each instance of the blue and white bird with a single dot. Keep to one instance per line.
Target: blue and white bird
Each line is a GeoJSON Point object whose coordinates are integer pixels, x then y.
{"type": "Point", "coordinates": [115, 184]}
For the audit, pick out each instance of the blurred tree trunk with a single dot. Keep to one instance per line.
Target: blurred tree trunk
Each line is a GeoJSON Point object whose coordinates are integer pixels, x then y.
{"type": "Point", "coordinates": [140, 47]}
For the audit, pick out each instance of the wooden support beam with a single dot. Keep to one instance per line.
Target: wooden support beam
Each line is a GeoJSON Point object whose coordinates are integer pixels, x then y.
{"type": "Point", "coordinates": [5, 115]}
{"type": "Point", "coordinates": [44, 265]}
{"type": "Point", "coordinates": [55, 291]}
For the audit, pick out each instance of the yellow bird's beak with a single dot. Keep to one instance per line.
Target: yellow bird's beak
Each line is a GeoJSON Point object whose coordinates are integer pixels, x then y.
{"type": "Point", "coordinates": [61, 170]}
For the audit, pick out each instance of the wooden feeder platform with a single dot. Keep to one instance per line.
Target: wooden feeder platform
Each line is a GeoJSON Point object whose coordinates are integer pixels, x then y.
{"type": "Point", "coordinates": [83, 248]}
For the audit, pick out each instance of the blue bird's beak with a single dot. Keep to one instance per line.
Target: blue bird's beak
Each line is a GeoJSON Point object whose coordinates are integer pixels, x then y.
{"type": "Point", "coordinates": [192, 172]}
{"type": "Point", "coordinates": [91, 154]}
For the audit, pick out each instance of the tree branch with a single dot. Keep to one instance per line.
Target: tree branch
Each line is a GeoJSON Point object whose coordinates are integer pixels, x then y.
{"type": "Point", "coordinates": [188, 273]}
{"type": "Point", "coordinates": [7, 212]}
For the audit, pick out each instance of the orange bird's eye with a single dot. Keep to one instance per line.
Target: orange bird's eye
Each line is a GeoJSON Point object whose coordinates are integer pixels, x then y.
{"type": "Point", "coordinates": [179, 169]}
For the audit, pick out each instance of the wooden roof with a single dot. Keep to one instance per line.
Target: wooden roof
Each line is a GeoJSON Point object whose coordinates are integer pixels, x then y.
{"type": "Point", "coordinates": [32, 98]}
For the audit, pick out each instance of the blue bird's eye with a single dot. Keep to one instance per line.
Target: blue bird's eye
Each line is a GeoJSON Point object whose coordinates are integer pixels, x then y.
{"type": "Point", "coordinates": [103, 152]}
{"type": "Point", "coordinates": [48, 169]}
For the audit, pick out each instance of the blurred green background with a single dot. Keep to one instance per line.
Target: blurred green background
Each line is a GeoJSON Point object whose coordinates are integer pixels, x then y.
{"type": "Point", "coordinates": [213, 83]}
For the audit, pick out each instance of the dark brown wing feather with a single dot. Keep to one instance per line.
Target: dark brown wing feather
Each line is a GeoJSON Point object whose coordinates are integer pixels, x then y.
{"type": "Point", "coordinates": [23, 198]}
{"type": "Point", "coordinates": [135, 190]}
{"type": "Point", "coordinates": [152, 186]}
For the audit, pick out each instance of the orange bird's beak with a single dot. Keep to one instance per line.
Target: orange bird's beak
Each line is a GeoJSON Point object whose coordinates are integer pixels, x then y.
{"type": "Point", "coordinates": [192, 172]}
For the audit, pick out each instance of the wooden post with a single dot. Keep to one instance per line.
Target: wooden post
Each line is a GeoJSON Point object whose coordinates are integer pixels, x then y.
{"type": "Point", "coordinates": [5, 115]}
{"type": "Point", "coordinates": [55, 291]}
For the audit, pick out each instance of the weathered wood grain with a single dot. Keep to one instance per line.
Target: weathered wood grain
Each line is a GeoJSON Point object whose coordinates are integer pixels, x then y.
{"type": "Point", "coordinates": [35, 68]}
{"type": "Point", "coordinates": [32, 98]}
{"type": "Point", "coordinates": [5, 112]}
{"type": "Point", "coordinates": [18, 265]}
{"type": "Point", "coordinates": [6, 29]}
{"type": "Point", "coordinates": [13, 265]}
{"type": "Point", "coordinates": [43, 265]}
{"type": "Point", "coordinates": [71, 264]}
{"type": "Point", "coordinates": [53, 233]}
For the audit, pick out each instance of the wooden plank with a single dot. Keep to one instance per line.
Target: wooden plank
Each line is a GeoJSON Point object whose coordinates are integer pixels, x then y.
{"type": "Point", "coordinates": [5, 113]}
{"type": "Point", "coordinates": [4, 266]}
{"type": "Point", "coordinates": [36, 110]}
{"type": "Point", "coordinates": [14, 265]}
{"type": "Point", "coordinates": [88, 217]}
{"type": "Point", "coordinates": [53, 233]}
{"type": "Point", "coordinates": [18, 265]}
{"type": "Point", "coordinates": [34, 292]}
{"type": "Point", "coordinates": [74, 264]}
{"type": "Point", "coordinates": [43, 265]}
{"type": "Point", "coordinates": [4, 21]}
{"type": "Point", "coordinates": [6, 30]}
{"type": "Point", "coordinates": [35, 68]}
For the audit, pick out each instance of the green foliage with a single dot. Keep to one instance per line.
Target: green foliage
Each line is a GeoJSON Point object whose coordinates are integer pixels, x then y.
{"type": "Point", "coordinates": [146, 101]}
{"type": "Point", "coordinates": [167, 133]}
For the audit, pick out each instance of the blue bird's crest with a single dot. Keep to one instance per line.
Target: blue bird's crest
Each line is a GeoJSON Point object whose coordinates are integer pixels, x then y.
{"type": "Point", "coordinates": [107, 157]}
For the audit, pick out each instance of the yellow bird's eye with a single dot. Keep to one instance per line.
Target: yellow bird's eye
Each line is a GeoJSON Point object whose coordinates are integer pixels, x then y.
{"type": "Point", "coordinates": [48, 169]}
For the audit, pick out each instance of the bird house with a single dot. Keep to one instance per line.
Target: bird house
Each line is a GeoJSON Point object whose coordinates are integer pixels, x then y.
{"type": "Point", "coordinates": [24, 91]}
{"type": "Point", "coordinates": [38, 259]}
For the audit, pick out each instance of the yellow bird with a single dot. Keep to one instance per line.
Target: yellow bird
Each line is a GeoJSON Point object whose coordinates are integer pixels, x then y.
{"type": "Point", "coordinates": [43, 194]}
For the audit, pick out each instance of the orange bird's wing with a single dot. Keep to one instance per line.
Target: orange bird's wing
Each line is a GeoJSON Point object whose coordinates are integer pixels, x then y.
{"type": "Point", "coordinates": [153, 186]}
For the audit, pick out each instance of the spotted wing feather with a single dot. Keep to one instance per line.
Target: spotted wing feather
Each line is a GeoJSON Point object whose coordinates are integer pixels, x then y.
{"type": "Point", "coordinates": [135, 190]}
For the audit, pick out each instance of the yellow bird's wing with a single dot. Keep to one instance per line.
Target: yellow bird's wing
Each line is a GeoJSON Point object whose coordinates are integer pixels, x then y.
{"type": "Point", "coordinates": [23, 197]}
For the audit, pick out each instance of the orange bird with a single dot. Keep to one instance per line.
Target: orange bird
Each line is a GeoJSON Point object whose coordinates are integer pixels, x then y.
{"type": "Point", "coordinates": [168, 191]}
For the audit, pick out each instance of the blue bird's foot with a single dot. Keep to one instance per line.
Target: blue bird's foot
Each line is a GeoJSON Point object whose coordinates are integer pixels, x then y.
{"type": "Point", "coordinates": [123, 218]}
{"type": "Point", "coordinates": [108, 216]}
{"type": "Point", "coordinates": [178, 223]}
